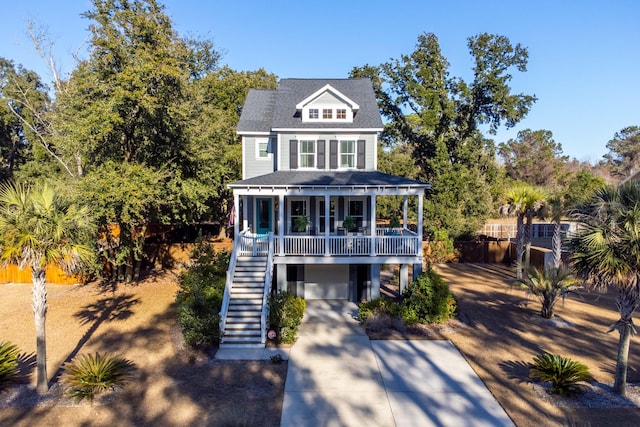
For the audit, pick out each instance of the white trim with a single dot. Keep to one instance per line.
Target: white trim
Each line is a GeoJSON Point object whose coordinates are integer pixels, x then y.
{"type": "Point", "coordinates": [244, 158]}
{"type": "Point", "coordinates": [328, 130]}
{"type": "Point", "coordinates": [318, 214]}
{"type": "Point", "coordinates": [340, 153]}
{"type": "Point", "coordinates": [306, 153]}
{"type": "Point", "coordinates": [258, 141]}
{"type": "Point", "coordinates": [253, 133]}
{"type": "Point", "coordinates": [334, 91]}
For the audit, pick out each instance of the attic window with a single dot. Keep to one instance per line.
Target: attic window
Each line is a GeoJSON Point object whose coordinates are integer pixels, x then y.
{"type": "Point", "coordinates": [313, 113]}
{"type": "Point", "coordinates": [327, 113]}
{"type": "Point", "coordinates": [341, 114]}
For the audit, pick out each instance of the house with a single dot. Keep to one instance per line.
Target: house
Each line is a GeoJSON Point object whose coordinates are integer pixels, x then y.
{"type": "Point", "coordinates": [306, 207]}
{"type": "Point", "coordinates": [633, 177]}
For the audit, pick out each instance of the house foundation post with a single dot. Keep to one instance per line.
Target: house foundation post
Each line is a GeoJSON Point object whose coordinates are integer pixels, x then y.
{"type": "Point", "coordinates": [281, 271]}
{"type": "Point", "coordinates": [404, 277]}
{"type": "Point", "coordinates": [374, 292]}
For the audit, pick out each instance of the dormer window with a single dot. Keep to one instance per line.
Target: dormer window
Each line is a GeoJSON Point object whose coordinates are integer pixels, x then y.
{"type": "Point", "coordinates": [341, 114]}
{"type": "Point", "coordinates": [313, 113]}
{"type": "Point", "coordinates": [327, 114]}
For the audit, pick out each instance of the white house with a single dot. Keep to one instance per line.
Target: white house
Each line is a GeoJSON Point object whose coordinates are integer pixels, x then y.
{"type": "Point", "coordinates": [306, 206]}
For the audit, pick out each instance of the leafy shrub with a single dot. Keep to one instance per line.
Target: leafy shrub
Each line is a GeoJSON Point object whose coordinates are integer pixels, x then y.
{"type": "Point", "coordinates": [199, 299]}
{"type": "Point", "coordinates": [89, 375]}
{"type": "Point", "coordinates": [441, 248]}
{"type": "Point", "coordinates": [377, 307]}
{"type": "Point", "coordinates": [285, 314]}
{"type": "Point", "coordinates": [565, 375]}
{"type": "Point", "coordinates": [9, 367]}
{"type": "Point", "coordinates": [428, 300]}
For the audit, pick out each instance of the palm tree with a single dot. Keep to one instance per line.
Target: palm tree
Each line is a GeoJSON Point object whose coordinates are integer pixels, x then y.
{"type": "Point", "coordinates": [556, 208]}
{"type": "Point", "coordinates": [547, 285]}
{"type": "Point", "coordinates": [38, 228]}
{"type": "Point", "coordinates": [606, 253]}
{"type": "Point", "coordinates": [525, 202]}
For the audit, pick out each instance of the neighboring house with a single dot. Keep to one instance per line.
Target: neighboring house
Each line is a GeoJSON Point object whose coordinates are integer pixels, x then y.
{"type": "Point", "coordinates": [305, 217]}
{"type": "Point", "coordinates": [634, 177]}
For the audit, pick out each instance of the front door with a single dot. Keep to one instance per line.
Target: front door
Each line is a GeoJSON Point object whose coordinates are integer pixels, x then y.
{"type": "Point", "coordinates": [264, 216]}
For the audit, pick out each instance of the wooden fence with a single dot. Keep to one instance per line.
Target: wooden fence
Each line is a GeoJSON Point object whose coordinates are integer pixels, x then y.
{"type": "Point", "coordinates": [12, 274]}
{"type": "Point", "coordinates": [158, 255]}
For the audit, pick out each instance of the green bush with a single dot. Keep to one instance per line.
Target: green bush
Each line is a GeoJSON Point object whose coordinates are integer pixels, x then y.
{"type": "Point", "coordinates": [199, 299]}
{"type": "Point", "coordinates": [9, 367]}
{"type": "Point", "coordinates": [285, 314]}
{"type": "Point", "coordinates": [565, 375]}
{"type": "Point", "coordinates": [380, 306]}
{"type": "Point", "coordinates": [441, 248]}
{"type": "Point", "coordinates": [89, 375]}
{"type": "Point", "coordinates": [428, 300]}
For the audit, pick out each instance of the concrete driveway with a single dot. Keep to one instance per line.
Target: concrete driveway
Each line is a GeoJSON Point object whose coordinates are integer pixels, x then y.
{"type": "Point", "coordinates": [337, 377]}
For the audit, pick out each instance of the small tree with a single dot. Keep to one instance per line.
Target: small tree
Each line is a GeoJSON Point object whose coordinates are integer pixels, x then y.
{"type": "Point", "coordinates": [548, 285]}
{"type": "Point", "coordinates": [38, 228]}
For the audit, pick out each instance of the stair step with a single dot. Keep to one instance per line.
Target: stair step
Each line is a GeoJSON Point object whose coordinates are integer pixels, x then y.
{"type": "Point", "coordinates": [250, 306]}
{"type": "Point", "coordinates": [254, 326]}
{"type": "Point", "coordinates": [248, 280]}
{"type": "Point", "coordinates": [243, 313]}
{"type": "Point", "coordinates": [242, 333]}
{"type": "Point", "coordinates": [242, 340]}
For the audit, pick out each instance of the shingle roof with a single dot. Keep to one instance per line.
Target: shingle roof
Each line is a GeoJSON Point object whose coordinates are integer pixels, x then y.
{"type": "Point", "coordinates": [266, 109]}
{"type": "Point", "coordinates": [331, 178]}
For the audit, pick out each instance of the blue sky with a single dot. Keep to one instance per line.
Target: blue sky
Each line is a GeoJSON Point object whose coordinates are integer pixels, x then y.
{"type": "Point", "coordinates": [584, 65]}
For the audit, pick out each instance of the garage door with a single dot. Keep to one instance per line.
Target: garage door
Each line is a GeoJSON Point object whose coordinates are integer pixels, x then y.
{"type": "Point", "coordinates": [326, 282]}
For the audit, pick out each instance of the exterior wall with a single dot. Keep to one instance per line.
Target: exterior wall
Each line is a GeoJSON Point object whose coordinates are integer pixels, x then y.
{"type": "Point", "coordinates": [326, 282]}
{"type": "Point", "coordinates": [252, 165]}
{"type": "Point", "coordinates": [370, 144]}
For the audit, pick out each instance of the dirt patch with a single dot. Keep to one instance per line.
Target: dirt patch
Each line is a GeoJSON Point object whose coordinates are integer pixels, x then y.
{"type": "Point", "coordinates": [171, 385]}
{"type": "Point", "coordinates": [503, 332]}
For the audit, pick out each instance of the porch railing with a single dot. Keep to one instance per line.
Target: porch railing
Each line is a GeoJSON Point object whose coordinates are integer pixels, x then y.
{"type": "Point", "coordinates": [224, 309]}
{"type": "Point", "coordinates": [250, 244]}
{"type": "Point", "coordinates": [386, 242]}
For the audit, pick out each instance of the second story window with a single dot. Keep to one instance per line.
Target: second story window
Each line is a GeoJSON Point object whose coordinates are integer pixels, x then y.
{"type": "Point", "coordinates": [341, 114]}
{"type": "Point", "coordinates": [347, 154]}
{"type": "Point", "coordinates": [263, 147]}
{"type": "Point", "coordinates": [307, 154]}
{"type": "Point", "coordinates": [327, 113]}
{"type": "Point", "coordinates": [313, 113]}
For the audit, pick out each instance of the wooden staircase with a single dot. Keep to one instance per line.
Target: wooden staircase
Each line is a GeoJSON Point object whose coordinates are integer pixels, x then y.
{"type": "Point", "coordinates": [242, 328]}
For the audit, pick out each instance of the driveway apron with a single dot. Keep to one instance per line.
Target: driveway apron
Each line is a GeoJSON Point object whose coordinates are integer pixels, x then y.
{"type": "Point", "coordinates": [337, 377]}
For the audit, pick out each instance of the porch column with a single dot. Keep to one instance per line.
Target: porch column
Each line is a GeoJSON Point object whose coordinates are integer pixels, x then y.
{"type": "Point", "coordinates": [417, 268]}
{"type": "Point", "coordinates": [236, 214]}
{"type": "Point", "coordinates": [245, 213]}
{"type": "Point", "coordinates": [281, 224]}
{"type": "Point", "coordinates": [420, 215]}
{"type": "Point", "coordinates": [373, 225]}
{"type": "Point", "coordinates": [327, 212]}
{"type": "Point", "coordinates": [405, 207]}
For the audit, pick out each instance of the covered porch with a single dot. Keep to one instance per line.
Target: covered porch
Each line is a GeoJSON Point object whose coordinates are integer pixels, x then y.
{"type": "Point", "coordinates": [327, 215]}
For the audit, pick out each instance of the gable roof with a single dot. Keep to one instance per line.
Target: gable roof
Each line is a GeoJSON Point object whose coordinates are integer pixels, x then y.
{"type": "Point", "coordinates": [333, 91]}
{"type": "Point", "coordinates": [266, 110]}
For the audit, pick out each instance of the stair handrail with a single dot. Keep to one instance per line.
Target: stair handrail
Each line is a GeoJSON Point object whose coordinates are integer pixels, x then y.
{"type": "Point", "coordinates": [267, 290]}
{"type": "Point", "coordinates": [224, 309]}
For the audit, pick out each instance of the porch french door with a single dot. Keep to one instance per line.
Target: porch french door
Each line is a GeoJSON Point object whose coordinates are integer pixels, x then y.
{"type": "Point", "coordinates": [264, 216]}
